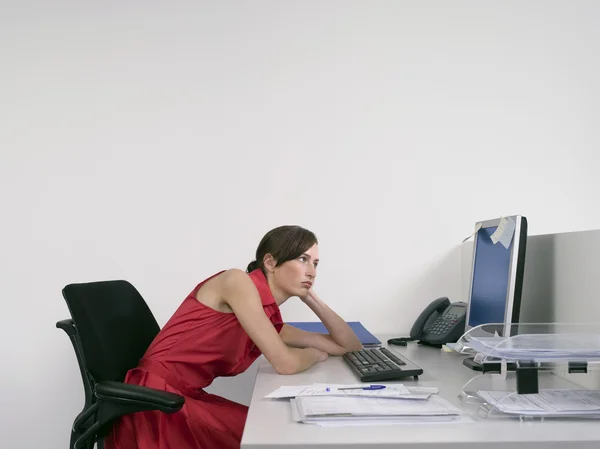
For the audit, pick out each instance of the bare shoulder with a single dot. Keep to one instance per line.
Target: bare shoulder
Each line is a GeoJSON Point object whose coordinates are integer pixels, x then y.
{"type": "Point", "coordinates": [234, 276]}
{"type": "Point", "coordinates": [215, 292]}
{"type": "Point", "coordinates": [235, 281]}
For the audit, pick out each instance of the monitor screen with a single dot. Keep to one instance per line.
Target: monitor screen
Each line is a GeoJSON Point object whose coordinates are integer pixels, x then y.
{"type": "Point", "coordinates": [490, 280]}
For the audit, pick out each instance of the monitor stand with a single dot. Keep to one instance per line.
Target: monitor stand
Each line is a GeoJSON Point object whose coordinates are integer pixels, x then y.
{"type": "Point", "coordinates": [494, 365]}
{"type": "Point", "coordinates": [470, 363]}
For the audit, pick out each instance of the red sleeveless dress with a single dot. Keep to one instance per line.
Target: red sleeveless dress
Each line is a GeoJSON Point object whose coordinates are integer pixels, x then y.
{"type": "Point", "coordinates": [196, 345]}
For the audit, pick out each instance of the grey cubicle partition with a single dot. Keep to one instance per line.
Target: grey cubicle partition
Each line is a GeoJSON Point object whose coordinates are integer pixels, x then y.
{"type": "Point", "coordinates": [561, 282]}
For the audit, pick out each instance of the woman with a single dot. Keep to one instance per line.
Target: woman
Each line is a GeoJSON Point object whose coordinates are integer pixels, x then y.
{"type": "Point", "coordinates": [222, 326]}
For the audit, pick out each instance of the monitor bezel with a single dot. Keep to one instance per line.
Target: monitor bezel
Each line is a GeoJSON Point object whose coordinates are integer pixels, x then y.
{"type": "Point", "coordinates": [516, 268]}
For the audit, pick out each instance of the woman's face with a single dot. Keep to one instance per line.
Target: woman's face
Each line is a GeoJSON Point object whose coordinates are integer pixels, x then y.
{"type": "Point", "coordinates": [296, 277]}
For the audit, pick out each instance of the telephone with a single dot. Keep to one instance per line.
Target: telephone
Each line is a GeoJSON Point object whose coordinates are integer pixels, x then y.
{"type": "Point", "coordinates": [441, 322]}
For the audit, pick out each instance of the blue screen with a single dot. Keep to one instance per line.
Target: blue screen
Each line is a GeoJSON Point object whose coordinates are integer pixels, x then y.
{"type": "Point", "coordinates": [490, 280]}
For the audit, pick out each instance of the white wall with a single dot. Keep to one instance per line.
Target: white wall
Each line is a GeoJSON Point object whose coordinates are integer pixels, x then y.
{"type": "Point", "coordinates": [159, 142]}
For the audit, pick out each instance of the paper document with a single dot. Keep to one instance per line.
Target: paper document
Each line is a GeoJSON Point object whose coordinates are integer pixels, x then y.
{"type": "Point", "coordinates": [393, 421]}
{"type": "Point", "coordinates": [504, 232]}
{"type": "Point", "coordinates": [457, 348]}
{"type": "Point", "coordinates": [340, 411]}
{"type": "Point", "coordinates": [392, 391]}
{"type": "Point", "coordinates": [375, 421]}
{"type": "Point", "coordinates": [547, 402]}
{"type": "Point", "coordinates": [323, 407]}
{"type": "Point", "coordinates": [423, 390]}
{"type": "Point", "coordinates": [477, 228]}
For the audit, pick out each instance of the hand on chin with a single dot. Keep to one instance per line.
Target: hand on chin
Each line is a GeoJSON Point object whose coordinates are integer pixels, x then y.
{"type": "Point", "coordinates": [306, 294]}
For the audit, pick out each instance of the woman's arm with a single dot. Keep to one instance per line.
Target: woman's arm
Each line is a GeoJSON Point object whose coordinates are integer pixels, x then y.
{"type": "Point", "coordinates": [340, 340]}
{"type": "Point", "coordinates": [239, 292]}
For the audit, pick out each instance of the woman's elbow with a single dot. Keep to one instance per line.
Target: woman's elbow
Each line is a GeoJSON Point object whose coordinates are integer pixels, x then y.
{"type": "Point", "coordinates": [286, 368]}
{"type": "Point", "coordinates": [286, 365]}
{"type": "Point", "coordinates": [284, 371]}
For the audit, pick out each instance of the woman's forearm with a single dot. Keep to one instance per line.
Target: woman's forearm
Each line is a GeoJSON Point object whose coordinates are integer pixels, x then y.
{"type": "Point", "coordinates": [338, 329]}
{"type": "Point", "coordinates": [305, 358]}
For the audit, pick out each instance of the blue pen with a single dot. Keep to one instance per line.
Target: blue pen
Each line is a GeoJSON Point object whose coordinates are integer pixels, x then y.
{"type": "Point", "coordinates": [370, 387]}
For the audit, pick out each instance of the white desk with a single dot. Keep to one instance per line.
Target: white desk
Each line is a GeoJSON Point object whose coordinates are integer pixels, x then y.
{"type": "Point", "coordinates": [270, 426]}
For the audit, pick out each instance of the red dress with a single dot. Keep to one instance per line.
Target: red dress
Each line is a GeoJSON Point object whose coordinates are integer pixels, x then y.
{"type": "Point", "coordinates": [196, 345]}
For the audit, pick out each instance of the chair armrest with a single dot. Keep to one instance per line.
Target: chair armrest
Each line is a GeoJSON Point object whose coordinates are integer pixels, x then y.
{"type": "Point", "coordinates": [68, 326]}
{"type": "Point", "coordinates": [138, 397]}
{"type": "Point", "coordinates": [116, 399]}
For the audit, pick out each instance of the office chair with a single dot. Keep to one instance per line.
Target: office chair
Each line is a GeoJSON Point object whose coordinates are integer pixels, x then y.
{"type": "Point", "coordinates": [110, 329]}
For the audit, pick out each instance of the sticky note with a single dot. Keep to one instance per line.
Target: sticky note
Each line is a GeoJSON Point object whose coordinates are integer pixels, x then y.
{"type": "Point", "coordinates": [504, 232]}
{"type": "Point", "coordinates": [477, 228]}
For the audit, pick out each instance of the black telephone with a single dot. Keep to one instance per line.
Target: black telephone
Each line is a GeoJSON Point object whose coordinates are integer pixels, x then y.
{"type": "Point", "coordinates": [441, 322]}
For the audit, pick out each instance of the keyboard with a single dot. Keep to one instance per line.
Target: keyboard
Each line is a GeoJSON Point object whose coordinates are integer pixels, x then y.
{"type": "Point", "coordinates": [378, 364]}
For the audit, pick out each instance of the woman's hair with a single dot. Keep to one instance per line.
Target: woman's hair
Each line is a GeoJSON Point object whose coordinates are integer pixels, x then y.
{"type": "Point", "coordinates": [283, 243]}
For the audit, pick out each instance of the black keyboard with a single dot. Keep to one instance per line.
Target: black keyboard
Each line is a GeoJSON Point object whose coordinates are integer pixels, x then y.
{"type": "Point", "coordinates": [378, 364]}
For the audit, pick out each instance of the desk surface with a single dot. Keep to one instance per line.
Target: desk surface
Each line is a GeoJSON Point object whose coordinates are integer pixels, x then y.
{"type": "Point", "coordinates": [269, 424]}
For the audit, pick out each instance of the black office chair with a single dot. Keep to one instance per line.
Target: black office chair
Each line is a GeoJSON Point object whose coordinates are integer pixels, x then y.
{"type": "Point", "coordinates": [110, 329]}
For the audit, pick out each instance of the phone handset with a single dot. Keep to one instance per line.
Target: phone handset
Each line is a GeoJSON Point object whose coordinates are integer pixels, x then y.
{"type": "Point", "coordinates": [427, 316]}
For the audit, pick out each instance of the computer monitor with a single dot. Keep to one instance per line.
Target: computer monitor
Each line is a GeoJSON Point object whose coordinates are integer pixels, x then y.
{"type": "Point", "coordinates": [496, 274]}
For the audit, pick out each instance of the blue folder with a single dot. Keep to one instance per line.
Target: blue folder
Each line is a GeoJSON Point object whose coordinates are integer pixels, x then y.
{"type": "Point", "coordinates": [366, 337]}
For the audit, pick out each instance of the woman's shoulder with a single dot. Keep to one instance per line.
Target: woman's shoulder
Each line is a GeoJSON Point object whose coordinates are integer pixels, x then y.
{"type": "Point", "coordinates": [234, 274]}
{"type": "Point", "coordinates": [225, 280]}
{"type": "Point", "coordinates": [213, 291]}
{"type": "Point", "coordinates": [234, 278]}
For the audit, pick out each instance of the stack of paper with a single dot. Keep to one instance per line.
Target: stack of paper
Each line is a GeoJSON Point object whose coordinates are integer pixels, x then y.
{"type": "Point", "coordinates": [323, 410]}
{"type": "Point", "coordinates": [349, 405]}
{"type": "Point", "coordinates": [391, 391]}
{"type": "Point", "coordinates": [549, 403]}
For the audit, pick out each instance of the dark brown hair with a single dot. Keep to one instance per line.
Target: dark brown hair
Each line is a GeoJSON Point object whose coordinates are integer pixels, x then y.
{"type": "Point", "coordinates": [283, 243]}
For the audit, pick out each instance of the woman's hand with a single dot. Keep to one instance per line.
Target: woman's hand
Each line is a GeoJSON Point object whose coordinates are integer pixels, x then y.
{"type": "Point", "coordinates": [309, 297]}
{"type": "Point", "coordinates": [339, 331]}
{"type": "Point", "coordinates": [320, 355]}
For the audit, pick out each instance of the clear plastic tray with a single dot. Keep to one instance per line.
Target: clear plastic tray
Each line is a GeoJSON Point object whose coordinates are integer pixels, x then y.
{"type": "Point", "coordinates": [534, 370]}
{"type": "Point", "coordinates": [553, 342]}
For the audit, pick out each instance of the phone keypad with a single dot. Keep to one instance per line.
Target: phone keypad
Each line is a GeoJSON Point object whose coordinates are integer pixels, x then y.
{"type": "Point", "coordinates": [443, 325]}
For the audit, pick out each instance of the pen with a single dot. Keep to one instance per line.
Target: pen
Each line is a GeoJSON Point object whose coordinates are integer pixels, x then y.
{"type": "Point", "coordinates": [370, 387]}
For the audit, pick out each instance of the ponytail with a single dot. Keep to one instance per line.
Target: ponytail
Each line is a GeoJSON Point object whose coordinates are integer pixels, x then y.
{"type": "Point", "coordinates": [252, 266]}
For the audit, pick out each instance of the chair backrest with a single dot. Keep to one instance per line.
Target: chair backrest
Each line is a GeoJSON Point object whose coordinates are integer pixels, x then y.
{"type": "Point", "coordinates": [114, 326]}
